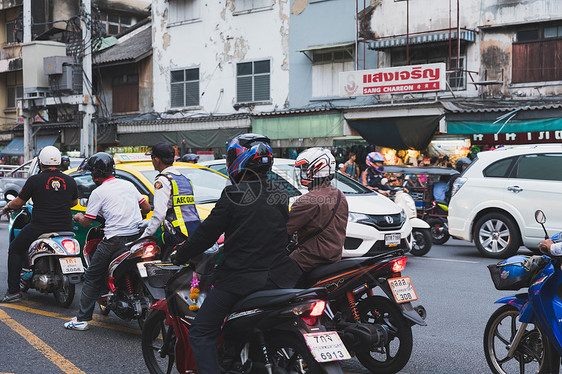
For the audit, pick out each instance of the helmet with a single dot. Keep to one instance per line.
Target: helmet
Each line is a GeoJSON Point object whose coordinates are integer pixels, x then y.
{"type": "Point", "coordinates": [50, 156]}
{"type": "Point", "coordinates": [375, 157]}
{"type": "Point", "coordinates": [461, 163]}
{"type": "Point", "coordinates": [188, 157]}
{"type": "Point", "coordinates": [101, 165]}
{"type": "Point", "coordinates": [65, 162]}
{"type": "Point", "coordinates": [248, 152]}
{"type": "Point", "coordinates": [315, 164]}
{"type": "Point", "coordinates": [512, 274]}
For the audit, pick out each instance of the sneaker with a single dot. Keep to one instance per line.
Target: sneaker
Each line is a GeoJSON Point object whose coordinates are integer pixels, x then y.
{"type": "Point", "coordinates": [11, 297]}
{"type": "Point", "coordinates": [74, 324]}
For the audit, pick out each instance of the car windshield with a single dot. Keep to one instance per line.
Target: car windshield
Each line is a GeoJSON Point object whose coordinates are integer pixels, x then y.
{"type": "Point", "coordinates": [207, 185]}
{"type": "Point", "coordinates": [347, 185]}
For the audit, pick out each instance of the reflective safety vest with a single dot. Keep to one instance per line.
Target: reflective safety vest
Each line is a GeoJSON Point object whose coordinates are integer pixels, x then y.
{"type": "Point", "coordinates": [183, 205]}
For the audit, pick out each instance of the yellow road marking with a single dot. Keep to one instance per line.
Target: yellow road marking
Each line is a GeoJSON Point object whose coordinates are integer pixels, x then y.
{"type": "Point", "coordinates": [66, 318]}
{"type": "Point", "coordinates": [65, 365]}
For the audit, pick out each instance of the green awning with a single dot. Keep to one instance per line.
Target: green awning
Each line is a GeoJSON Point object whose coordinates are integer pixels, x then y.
{"type": "Point", "coordinates": [488, 127]}
{"type": "Point", "coordinates": [299, 127]}
{"type": "Point", "coordinates": [216, 138]}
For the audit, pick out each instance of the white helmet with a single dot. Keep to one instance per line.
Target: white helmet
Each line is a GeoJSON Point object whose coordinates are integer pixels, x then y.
{"type": "Point", "coordinates": [50, 156]}
{"type": "Point", "coordinates": [315, 163]}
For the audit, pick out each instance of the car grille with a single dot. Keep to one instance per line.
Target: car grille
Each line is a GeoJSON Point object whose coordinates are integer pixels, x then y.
{"type": "Point", "coordinates": [383, 223]}
{"type": "Point", "coordinates": [379, 247]}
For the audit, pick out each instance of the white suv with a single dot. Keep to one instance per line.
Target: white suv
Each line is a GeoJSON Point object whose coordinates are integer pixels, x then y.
{"type": "Point", "coordinates": [495, 199]}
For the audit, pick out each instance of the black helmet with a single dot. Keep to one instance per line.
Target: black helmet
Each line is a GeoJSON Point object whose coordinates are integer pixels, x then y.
{"type": "Point", "coordinates": [248, 152]}
{"type": "Point", "coordinates": [461, 163]}
{"type": "Point", "coordinates": [101, 165]}
{"type": "Point", "coordinates": [189, 157]}
{"type": "Point", "coordinates": [64, 162]}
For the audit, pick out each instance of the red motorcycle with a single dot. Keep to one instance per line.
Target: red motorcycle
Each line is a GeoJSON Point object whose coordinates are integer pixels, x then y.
{"type": "Point", "coordinates": [271, 331]}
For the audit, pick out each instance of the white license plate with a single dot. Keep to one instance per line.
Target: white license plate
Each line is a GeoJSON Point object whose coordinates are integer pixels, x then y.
{"type": "Point", "coordinates": [142, 268]}
{"type": "Point", "coordinates": [326, 346]}
{"type": "Point", "coordinates": [70, 265]}
{"type": "Point", "coordinates": [402, 289]}
{"type": "Point", "coordinates": [391, 240]}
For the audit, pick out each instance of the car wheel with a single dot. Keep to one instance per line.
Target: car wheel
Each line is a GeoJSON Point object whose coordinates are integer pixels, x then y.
{"type": "Point", "coordinates": [496, 235]}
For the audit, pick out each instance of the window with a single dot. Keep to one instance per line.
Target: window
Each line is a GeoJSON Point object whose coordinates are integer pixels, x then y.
{"type": "Point", "coordinates": [125, 93]}
{"type": "Point", "coordinates": [184, 10]}
{"type": "Point", "coordinates": [185, 88]}
{"type": "Point", "coordinates": [542, 167]}
{"type": "Point", "coordinates": [457, 79]}
{"type": "Point", "coordinates": [536, 55]}
{"type": "Point", "coordinates": [326, 67]}
{"type": "Point", "coordinates": [85, 185]}
{"type": "Point", "coordinates": [499, 169]}
{"type": "Point", "coordinates": [113, 24]}
{"type": "Point", "coordinates": [252, 81]}
{"type": "Point", "coordinates": [14, 93]}
{"type": "Point", "coordinates": [247, 5]}
{"type": "Point", "coordinates": [14, 32]}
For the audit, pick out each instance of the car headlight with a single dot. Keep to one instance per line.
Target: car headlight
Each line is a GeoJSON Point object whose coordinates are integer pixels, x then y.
{"type": "Point", "coordinates": [402, 216]}
{"type": "Point", "coordinates": [357, 217]}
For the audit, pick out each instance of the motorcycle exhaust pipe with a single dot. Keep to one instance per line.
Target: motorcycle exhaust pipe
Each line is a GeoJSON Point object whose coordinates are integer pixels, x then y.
{"type": "Point", "coordinates": [365, 335]}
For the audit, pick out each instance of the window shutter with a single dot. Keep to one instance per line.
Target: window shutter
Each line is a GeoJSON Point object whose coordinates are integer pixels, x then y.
{"type": "Point", "coordinates": [192, 93]}
{"type": "Point", "coordinates": [261, 92]}
{"type": "Point", "coordinates": [244, 89]}
{"type": "Point", "coordinates": [177, 94]}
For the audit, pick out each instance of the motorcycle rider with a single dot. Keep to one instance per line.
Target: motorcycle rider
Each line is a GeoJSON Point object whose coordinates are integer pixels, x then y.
{"type": "Point", "coordinates": [252, 212]}
{"type": "Point", "coordinates": [191, 158]}
{"type": "Point", "coordinates": [65, 163]}
{"type": "Point", "coordinates": [117, 201]}
{"type": "Point", "coordinates": [318, 219]}
{"type": "Point", "coordinates": [173, 197]}
{"type": "Point", "coordinates": [372, 176]}
{"type": "Point", "coordinates": [53, 194]}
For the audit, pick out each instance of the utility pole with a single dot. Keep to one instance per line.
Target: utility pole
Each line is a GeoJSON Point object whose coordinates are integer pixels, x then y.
{"type": "Point", "coordinates": [87, 107]}
{"type": "Point", "coordinates": [27, 136]}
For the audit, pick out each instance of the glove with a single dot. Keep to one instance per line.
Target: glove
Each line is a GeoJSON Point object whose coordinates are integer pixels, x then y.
{"type": "Point", "coordinates": [175, 260]}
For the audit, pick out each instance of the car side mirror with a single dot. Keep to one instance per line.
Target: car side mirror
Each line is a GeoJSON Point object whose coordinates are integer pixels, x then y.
{"type": "Point", "coordinates": [84, 201]}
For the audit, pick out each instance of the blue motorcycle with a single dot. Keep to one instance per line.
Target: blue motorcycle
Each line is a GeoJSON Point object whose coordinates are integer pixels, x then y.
{"type": "Point", "coordinates": [525, 334]}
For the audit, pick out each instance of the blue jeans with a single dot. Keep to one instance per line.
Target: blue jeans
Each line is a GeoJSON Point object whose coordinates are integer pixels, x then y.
{"type": "Point", "coordinates": [17, 254]}
{"type": "Point", "coordinates": [95, 273]}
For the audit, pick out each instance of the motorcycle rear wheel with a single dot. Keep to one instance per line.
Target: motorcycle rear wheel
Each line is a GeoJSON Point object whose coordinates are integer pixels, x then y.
{"type": "Point", "coordinates": [65, 295]}
{"type": "Point", "coordinates": [153, 333]}
{"type": "Point", "coordinates": [439, 233]}
{"type": "Point", "coordinates": [534, 354]}
{"type": "Point", "coordinates": [421, 243]}
{"type": "Point", "coordinates": [292, 355]}
{"type": "Point", "coordinates": [393, 356]}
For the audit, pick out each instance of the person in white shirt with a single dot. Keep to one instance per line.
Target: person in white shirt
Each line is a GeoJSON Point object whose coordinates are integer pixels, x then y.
{"type": "Point", "coordinates": [173, 199]}
{"type": "Point", "coordinates": [117, 201]}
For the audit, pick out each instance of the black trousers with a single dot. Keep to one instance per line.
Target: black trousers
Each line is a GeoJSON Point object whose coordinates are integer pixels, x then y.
{"type": "Point", "coordinates": [17, 254]}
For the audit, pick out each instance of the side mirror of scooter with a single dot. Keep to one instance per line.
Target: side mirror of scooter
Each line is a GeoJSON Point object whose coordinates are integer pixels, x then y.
{"type": "Point", "coordinates": [10, 197]}
{"type": "Point", "coordinates": [384, 181]}
{"type": "Point", "coordinates": [169, 227]}
{"type": "Point", "coordinates": [83, 201]}
{"type": "Point", "coordinates": [540, 217]}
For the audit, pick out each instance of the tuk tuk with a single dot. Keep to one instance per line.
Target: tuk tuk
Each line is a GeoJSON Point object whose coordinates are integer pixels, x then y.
{"type": "Point", "coordinates": [430, 203]}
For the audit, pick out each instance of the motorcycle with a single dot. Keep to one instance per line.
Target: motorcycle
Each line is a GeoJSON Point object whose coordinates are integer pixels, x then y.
{"type": "Point", "coordinates": [421, 234]}
{"type": "Point", "coordinates": [129, 296]}
{"type": "Point", "coordinates": [54, 263]}
{"type": "Point", "coordinates": [271, 331]}
{"type": "Point", "coordinates": [525, 333]}
{"type": "Point", "coordinates": [436, 216]}
{"type": "Point", "coordinates": [378, 329]}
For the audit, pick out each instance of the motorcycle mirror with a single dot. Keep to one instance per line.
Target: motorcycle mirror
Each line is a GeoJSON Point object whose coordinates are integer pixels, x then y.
{"type": "Point", "coordinates": [10, 197]}
{"type": "Point", "coordinates": [384, 181]}
{"type": "Point", "coordinates": [169, 227]}
{"type": "Point", "coordinates": [540, 217]}
{"type": "Point", "coordinates": [84, 201]}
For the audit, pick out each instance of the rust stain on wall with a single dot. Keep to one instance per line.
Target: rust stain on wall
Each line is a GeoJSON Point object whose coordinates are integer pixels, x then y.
{"type": "Point", "coordinates": [496, 66]}
{"type": "Point", "coordinates": [299, 6]}
{"type": "Point", "coordinates": [166, 41]}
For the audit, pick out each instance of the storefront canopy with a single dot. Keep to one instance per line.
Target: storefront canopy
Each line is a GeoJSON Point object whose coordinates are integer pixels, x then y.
{"type": "Point", "coordinates": [489, 127]}
{"type": "Point", "coordinates": [216, 138]}
{"type": "Point", "coordinates": [15, 147]}
{"type": "Point", "coordinates": [397, 132]}
{"type": "Point", "coordinates": [300, 127]}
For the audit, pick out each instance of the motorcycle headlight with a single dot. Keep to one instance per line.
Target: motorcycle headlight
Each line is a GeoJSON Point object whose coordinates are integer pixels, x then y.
{"type": "Point", "coordinates": [357, 217]}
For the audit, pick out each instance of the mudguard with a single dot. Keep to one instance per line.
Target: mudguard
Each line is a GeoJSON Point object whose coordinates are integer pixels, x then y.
{"type": "Point", "coordinates": [521, 302]}
{"type": "Point", "coordinates": [418, 223]}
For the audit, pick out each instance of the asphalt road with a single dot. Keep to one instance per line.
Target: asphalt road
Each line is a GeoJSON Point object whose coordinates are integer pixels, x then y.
{"type": "Point", "coordinates": [451, 281]}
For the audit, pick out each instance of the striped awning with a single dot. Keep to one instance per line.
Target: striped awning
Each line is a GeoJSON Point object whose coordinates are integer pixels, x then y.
{"type": "Point", "coordinates": [433, 37]}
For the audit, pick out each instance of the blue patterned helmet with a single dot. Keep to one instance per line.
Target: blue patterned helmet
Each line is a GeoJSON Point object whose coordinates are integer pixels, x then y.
{"type": "Point", "coordinates": [375, 157]}
{"type": "Point", "coordinates": [248, 152]}
{"type": "Point", "coordinates": [513, 273]}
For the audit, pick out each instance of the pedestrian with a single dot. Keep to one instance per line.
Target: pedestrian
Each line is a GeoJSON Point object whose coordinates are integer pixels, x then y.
{"type": "Point", "coordinates": [53, 194]}
{"type": "Point", "coordinates": [117, 201]}
{"type": "Point", "coordinates": [350, 168]}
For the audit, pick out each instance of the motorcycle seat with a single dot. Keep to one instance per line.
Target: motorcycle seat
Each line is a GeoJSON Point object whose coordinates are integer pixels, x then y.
{"type": "Point", "coordinates": [49, 235]}
{"type": "Point", "coordinates": [324, 270]}
{"type": "Point", "coordinates": [266, 298]}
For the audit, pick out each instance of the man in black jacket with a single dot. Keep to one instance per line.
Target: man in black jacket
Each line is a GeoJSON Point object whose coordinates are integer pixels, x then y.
{"type": "Point", "coordinates": [252, 213]}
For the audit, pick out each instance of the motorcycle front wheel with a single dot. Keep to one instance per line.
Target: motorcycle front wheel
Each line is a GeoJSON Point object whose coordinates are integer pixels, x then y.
{"type": "Point", "coordinates": [421, 243]}
{"type": "Point", "coordinates": [65, 295]}
{"type": "Point", "coordinates": [158, 356]}
{"type": "Point", "coordinates": [534, 354]}
{"type": "Point", "coordinates": [394, 355]}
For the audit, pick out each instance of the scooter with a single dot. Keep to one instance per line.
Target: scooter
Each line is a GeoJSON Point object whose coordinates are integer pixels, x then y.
{"type": "Point", "coordinates": [54, 263]}
{"type": "Point", "coordinates": [525, 334]}
{"type": "Point", "coordinates": [271, 331]}
{"type": "Point", "coordinates": [436, 217]}
{"type": "Point", "coordinates": [420, 229]}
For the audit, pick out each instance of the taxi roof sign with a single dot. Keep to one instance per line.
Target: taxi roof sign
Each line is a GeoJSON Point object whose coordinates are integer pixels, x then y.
{"type": "Point", "coordinates": [120, 158]}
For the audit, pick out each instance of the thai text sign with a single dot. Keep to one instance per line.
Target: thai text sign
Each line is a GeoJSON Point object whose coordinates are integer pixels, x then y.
{"type": "Point", "coordinates": [402, 79]}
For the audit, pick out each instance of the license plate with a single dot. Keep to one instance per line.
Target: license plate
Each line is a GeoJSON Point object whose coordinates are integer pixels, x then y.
{"type": "Point", "coordinates": [142, 268]}
{"type": "Point", "coordinates": [402, 289]}
{"type": "Point", "coordinates": [391, 240]}
{"type": "Point", "coordinates": [71, 265]}
{"type": "Point", "coordinates": [326, 346]}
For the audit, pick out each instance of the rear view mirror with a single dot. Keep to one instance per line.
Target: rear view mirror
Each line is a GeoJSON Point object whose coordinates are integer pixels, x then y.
{"type": "Point", "coordinates": [10, 197]}
{"type": "Point", "coordinates": [84, 201]}
{"type": "Point", "coordinates": [384, 181]}
{"type": "Point", "coordinates": [540, 217]}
